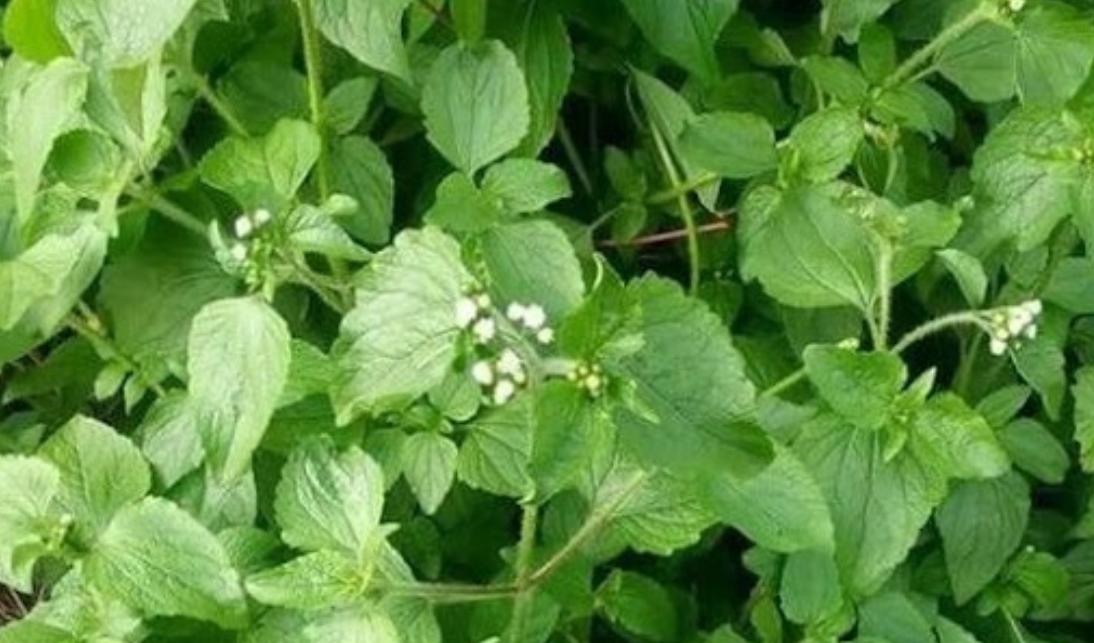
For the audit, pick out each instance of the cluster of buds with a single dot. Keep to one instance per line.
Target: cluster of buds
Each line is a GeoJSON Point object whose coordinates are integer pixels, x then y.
{"type": "Point", "coordinates": [534, 319]}
{"type": "Point", "coordinates": [475, 311]}
{"type": "Point", "coordinates": [245, 226]}
{"type": "Point", "coordinates": [1011, 324]}
{"type": "Point", "coordinates": [500, 378]}
{"type": "Point", "coordinates": [1011, 7]}
{"type": "Point", "coordinates": [589, 377]}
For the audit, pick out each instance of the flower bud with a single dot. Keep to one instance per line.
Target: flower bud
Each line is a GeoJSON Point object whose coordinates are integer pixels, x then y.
{"type": "Point", "coordinates": [545, 336]}
{"type": "Point", "coordinates": [515, 312]}
{"type": "Point", "coordinates": [262, 216]}
{"type": "Point", "coordinates": [243, 227]}
{"type": "Point", "coordinates": [997, 347]}
{"type": "Point", "coordinates": [484, 330]}
{"type": "Point", "coordinates": [239, 252]}
{"type": "Point", "coordinates": [504, 391]}
{"type": "Point", "coordinates": [534, 317]}
{"type": "Point", "coordinates": [466, 312]}
{"type": "Point", "coordinates": [482, 373]}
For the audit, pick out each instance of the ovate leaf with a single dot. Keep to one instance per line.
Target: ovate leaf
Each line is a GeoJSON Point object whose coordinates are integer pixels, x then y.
{"type": "Point", "coordinates": [429, 465]}
{"type": "Point", "coordinates": [475, 103]}
{"type": "Point", "coordinates": [495, 454]}
{"type": "Point", "coordinates": [120, 33]}
{"type": "Point", "coordinates": [359, 169]}
{"type": "Point", "coordinates": [951, 436]}
{"type": "Point", "coordinates": [400, 339]}
{"type": "Point", "coordinates": [684, 31]}
{"type": "Point", "coordinates": [319, 580]}
{"type": "Point", "coordinates": [533, 262]}
{"type": "Point", "coordinates": [27, 487]}
{"type": "Point", "coordinates": [523, 185]}
{"type": "Point", "coordinates": [639, 605]}
{"type": "Point", "coordinates": [860, 387]}
{"type": "Point", "coordinates": [157, 559]}
{"type": "Point", "coordinates": [371, 31]}
{"type": "Point", "coordinates": [238, 363]}
{"type": "Point", "coordinates": [329, 500]}
{"type": "Point", "coordinates": [732, 144]}
{"type": "Point", "coordinates": [101, 472]}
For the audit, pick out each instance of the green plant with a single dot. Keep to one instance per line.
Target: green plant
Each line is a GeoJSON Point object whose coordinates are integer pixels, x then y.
{"type": "Point", "coordinates": [362, 320]}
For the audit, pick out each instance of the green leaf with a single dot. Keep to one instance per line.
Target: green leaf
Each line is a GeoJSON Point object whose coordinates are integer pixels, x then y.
{"type": "Point", "coordinates": [1035, 450]}
{"type": "Point", "coordinates": [686, 32]}
{"type": "Point", "coordinates": [27, 487]}
{"type": "Point", "coordinates": [315, 581]}
{"type": "Point", "coordinates": [45, 109]}
{"type": "Point", "coordinates": [571, 432]}
{"type": "Point", "coordinates": [847, 17]}
{"type": "Point", "coordinates": [31, 30]}
{"type": "Point", "coordinates": [894, 616]}
{"type": "Point", "coordinates": [732, 144]}
{"type": "Point", "coordinates": [313, 229]}
{"type": "Point", "coordinates": [171, 440]}
{"type": "Point", "coordinates": [968, 272]}
{"type": "Point", "coordinates": [476, 104]}
{"type": "Point", "coordinates": [153, 331]}
{"type": "Point", "coordinates": [372, 32]}
{"type": "Point", "coordinates": [1041, 363]}
{"type": "Point", "coordinates": [824, 143]}
{"type": "Point", "coordinates": [40, 273]}
{"type": "Point", "coordinates": [238, 363]}
{"type": "Point", "coordinates": [358, 168]}
{"type": "Point", "coordinates": [1083, 391]}
{"type": "Point", "coordinates": [638, 605]}
{"type": "Point", "coordinates": [981, 523]}
{"type": "Point", "coordinates": [1070, 286]}
{"type": "Point", "coordinates": [266, 172]}
{"type": "Point", "coordinates": [154, 557]}
{"type": "Point", "coordinates": [461, 206]}
{"type": "Point", "coordinates": [957, 440]}
{"type": "Point", "coordinates": [495, 454]}
{"type": "Point", "coordinates": [400, 339]}
{"type": "Point", "coordinates": [429, 465]}
{"type": "Point", "coordinates": [469, 16]}
{"type": "Point", "coordinates": [877, 506]}
{"type": "Point", "coordinates": [120, 33]}
{"type": "Point", "coordinates": [805, 249]}
{"type": "Point", "coordinates": [1001, 405]}
{"type": "Point", "coordinates": [329, 500]}
{"type": "Point", "coordinates": [809, 589]}
{"type": "Point", "coordinates": [861, 387]}
{"type": "Point", "coordinates": [533, 262]}
{"type": "Point", "coordinates": [538, 38]}
{"type": "Point", "coordinates": [781, 508]}
{"type": "Point", "coordinates": [524, 185]}
{"type": "Point", "coordinates": [838, 77]}
{"type": "Point", "coordinates": [687, 354]}
{"type": "Point", "coordinates": [101, 472]}
{"type": "Point", "coordinates": [346, 104]}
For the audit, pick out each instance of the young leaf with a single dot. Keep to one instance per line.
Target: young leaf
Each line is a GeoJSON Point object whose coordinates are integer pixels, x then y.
{"type": "Point", "coordinates": [400, 339]}
{"type": "Point", "coordinates": [968, 272]}
{"type": "Point", "coordinates": [524, 185]}
{"type": "Point", "coordinates": [861, 387]}
{"type": "Point", "coordinates": [475, 104]}
{"type": "Point", "coordinates": [101, 472]}
{"type": "Point", "coordinates": [956, 440]}
{"type": "Point", "coordinates": [429, 465]}
{"type": "Point", "coordinates": [823, 145]}
{"type": "Point", "coordinates": [1041, 363]}
{"type": "Point", "coordinates": [329, 500]}
{"type": "Point", "coordinates": [570, 433]}
{"type": "Point", "coordinates": [847, 17]}
{"type": "Point", "coordinates": [315, 581]}
{"type": "Point", "coordinates": [27, 487]}
{"type": "Point", "coordinates": [684, 31]}
{"type": "Point", "coordinates": [809, 590]}
{"type": "Point", "coordinates": [154, 557]}
{"type": "Point", "coordinates": [171, 440]}
{"type": "Point", "coordinates": [238, 363]}
{"type": "Point", "coordinates": [981, 523]}
{"type": "Point", "coordinates": [372, 32]}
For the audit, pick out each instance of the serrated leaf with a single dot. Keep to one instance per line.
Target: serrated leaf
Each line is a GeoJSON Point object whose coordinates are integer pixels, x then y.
{"type": "Point", "coordinates": [359, 169]}
{"type": "Point", "coordinates": [533, 262]}
{"type": "Point", "coordinates": [371, 32]}
{"type": "Point", "coordinates": [400, 339]}
{"type": "Point", "coordinates": [638, 605]}
{"type": "Point", "coordinates": [238, 363]}
{"type": "Point", "coordinates": [809, 589]}
{"type": "Point", "coordinates": [824, 143]}
{"type": "Point", "coordinates": [27, 487]}
{"type": "Point", "coordinates": [968, 272]}
{"type": "Point", "coordinates": [319, 580]}
{"type": "Point", "coordinates": [156, 558]}
{"type": "Point", "coordinates": [571, 431]}
{"type": "Point", "coordinates": [429, 465]}
{"type": "Point", "coordinates": [1035, 450]}
{"type": "Point", "coordinates": [861, 387]}
{"type": "Point", "coordinates": [101, 472]}
{"type": "Point", "coordinates": [495, 454]}
{"type": "Point", "coordinates": [685, 31]}
{"type": "Point", "coordinates": [476, 104]}
{"type": "Point", "coordinates": [732, 144]}
{"type": "Point", "coordinates": [120, 33]}
{"type": "Point", "coordinates": [957, 440]}
{"type": "Point", "coordinates": [524, 185]}
{"type": "Point", "coordinates": [329, 500]}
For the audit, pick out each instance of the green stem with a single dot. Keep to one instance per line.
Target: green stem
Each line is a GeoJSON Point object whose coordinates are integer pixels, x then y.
{"type": "Point", "coordinates": [313, 63]}
{"type": "Point", "coordinates": [963, 318]}
{"type": "Point", "coordinates": [785, 383]}
{"type": "Point", "coordinates": [908, 69]}
{"type": "Point", "coordinates": [885, 295]}
{"type": "Point", "coordinates": [450, 593]}
{"type": "Point", "coordinates": [89, 326]}
{"type": "Point", "coordinates": [168, 209]}
{"type": "Point", "coordinates": [525, 589]}
{"type": "Point", "coordinates": [685, 209]}
{"type": "Point", "coordinates": [219, 107]}
{"type": "Point", "coordinates": [685, 188]}
{"type": "Point", "coordinates": [574, 155]}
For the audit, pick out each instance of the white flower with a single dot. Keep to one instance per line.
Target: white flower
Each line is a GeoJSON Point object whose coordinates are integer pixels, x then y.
{"type": "Point", "coordinates": [482, 373]}
{"type": "Point", "coordinates": [1031, 331]}
{"type": "Point", "coordinates": [1018, 320]}
{"type": "Point", "coordinates": [515, 312]}
{"type": "Point", "coordinates": [534, 317]}
{"type": "Point", "coordinates": [593, 383]}
{"type": "Point", "coordinates": [509, 362]}
{"type": "Point", "coordinates": [483, 301]}
{"type": "Point", "coordinates": [466, 312]}
{"type": "Point", "coordinates": [262, 216]}
{"type": "Point", "coordinates": [1016, 5]}
{"type": "Point", "coordinates": [239, 252]}
{"type": "Point", "coordinates": [484, 330]}
{"type": "Point", "coordinates": [1034, 307]}
{"type": "Point", "coordinates": [243, 227]}
{"type": "Point", "coordinates": [545, 336]}
{"type": "Point", "coordinates": [504, 391]}
{"type": "Point", "coordinates": [997, 347]}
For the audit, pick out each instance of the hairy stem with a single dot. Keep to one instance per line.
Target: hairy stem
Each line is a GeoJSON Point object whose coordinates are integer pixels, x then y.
{"type": "Point", "coordinates": [963, 318]}
{"type": "Point", "coordinates": [885, 294]}
{"type": "Point", "coordinates": [218, 106]}
{"type": "Point", "coordinates": [685, 188]}
{"type": "Point", "coordinates": [785, 383]}
{"type": "Point", "coordinates": [685, 210]}
{"type": "Point", "coordinates": [984, 11]}
{"type": "Point", "coordinates": [168, 209]}
{"type": "Point", "coordinates": [522, 603]}
{"type": "Point", "coordinates": [313, 64]}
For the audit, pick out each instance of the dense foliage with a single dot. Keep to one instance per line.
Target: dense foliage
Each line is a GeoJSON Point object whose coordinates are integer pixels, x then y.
{"type": "Point", "coordinates": [535, 321]}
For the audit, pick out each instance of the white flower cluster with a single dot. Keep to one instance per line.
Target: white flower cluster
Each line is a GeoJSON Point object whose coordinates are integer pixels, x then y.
{"type": "Point", "coordinates": [246, 225]}
{"type": "Point", "coordinates": [475, 311]}
{"type": "Point", "coordinates": [1011, 324]}
{"type": "Point", "coordinates": [534, 319]}
{"type": "Point", "coordinates": [502, 377]}
{"type": "Point", "coordinates": [589, 377]}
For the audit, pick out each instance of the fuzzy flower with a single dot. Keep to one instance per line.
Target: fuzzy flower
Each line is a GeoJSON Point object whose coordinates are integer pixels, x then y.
{"type": "Point", "coordinates": [239, 252]}
{"type": "Point", "coordinates": [1009, 325]}
{"type": "Point", "coordinates": [466, 312]}
{"type": "Point", "coordinates": [243, 227]}
{"type": "Point", "coordinates": [262, 216]}
{"type": "Point", "coordinates": [545, 336]}
{"type": "Point", "coordinates": [504, 391]}
{"type": "Point", "coordinates": [534, 317]}
{"type": "Point", "coordinates": [515, 312]}
{"type": "Point", "coordinates": [483, 373]}
{"type": "Point", "coordinates": [484, 330]}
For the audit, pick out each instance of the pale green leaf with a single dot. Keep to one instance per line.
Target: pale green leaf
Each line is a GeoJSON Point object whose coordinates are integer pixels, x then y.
{"type": "Point", "coordinates": [1083, 390]}
{"type": "Point", "coordinates": [171, 440]}
{"type": "Point", "coordinates": [533, 262]}
{"type": "Point", "coordinates": [319, 580]}
{"type": "Point", "coordinates": [370, 31]}
{"type": "Point", "coordinates": [429, 466]}
{"type": "Point", "coordinates": [1035, 450]}
{"type": "Point", "coordinates": [358, 168]}
{"type": "Point", "coordinates": [968, 272]}
{"type": "Point", "coordinates": [639, 605]}
{"type": "Point", "coordinates": [524, 185]}
{"type": "Point", "coordinates": [120, 33]}
{"type": "Point", "coordinates": [732, 144]}
{"type": "Point", "coordinates": [31, 30]}
{"type": "Point", "coordinates": [956, 439]}
{"type": "Point", "coordinates": [27, 487]}
{"type": "Point", "coordinates": [861, 387]}
{"type": "Point", "coordinates": [495, 454]}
